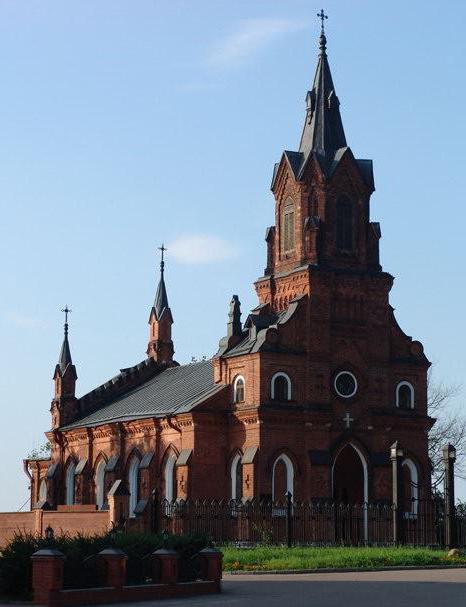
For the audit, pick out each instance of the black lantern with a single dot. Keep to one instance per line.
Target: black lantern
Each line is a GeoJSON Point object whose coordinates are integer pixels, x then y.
{"type": "Point", "coordinates": [49, 534]}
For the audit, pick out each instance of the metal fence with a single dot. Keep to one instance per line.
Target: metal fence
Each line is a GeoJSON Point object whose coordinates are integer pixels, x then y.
{"type": "Point", "coordinates": [318, 522]}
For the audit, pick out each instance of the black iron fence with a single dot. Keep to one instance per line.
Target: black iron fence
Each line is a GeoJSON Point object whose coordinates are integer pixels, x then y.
{"type": "Point", "coordinates": [317, 522]}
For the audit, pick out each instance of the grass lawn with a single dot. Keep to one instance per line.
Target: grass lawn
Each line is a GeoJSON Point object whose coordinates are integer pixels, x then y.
{"type": "Point", "coordinates": [267, 558]}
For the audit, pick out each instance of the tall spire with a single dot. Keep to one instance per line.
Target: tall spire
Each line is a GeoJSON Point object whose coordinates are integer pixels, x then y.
{"type": "Point", "coordinates": [323, 131]}
{"type": "Point", "coordinates": [65, 354]}
{"type": "Point", "coordinates": [161, 298]}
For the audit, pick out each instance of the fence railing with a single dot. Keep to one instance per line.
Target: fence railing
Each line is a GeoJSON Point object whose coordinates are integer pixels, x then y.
{"type": "Point", "coordinates": [318, 522]}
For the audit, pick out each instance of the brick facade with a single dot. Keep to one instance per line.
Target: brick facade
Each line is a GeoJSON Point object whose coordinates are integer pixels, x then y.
{"type": "Point", "coordinates": [323, 317]}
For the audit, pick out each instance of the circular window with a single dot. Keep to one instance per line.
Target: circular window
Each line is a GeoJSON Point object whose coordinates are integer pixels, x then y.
{"type": "Point", "coordinates": [345, 384]}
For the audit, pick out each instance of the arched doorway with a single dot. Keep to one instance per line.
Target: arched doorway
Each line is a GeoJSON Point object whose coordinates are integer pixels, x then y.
{"type": "Point", "coordinates": [350, 476]}
{"type": "Point", "coordinates": [282, 477]}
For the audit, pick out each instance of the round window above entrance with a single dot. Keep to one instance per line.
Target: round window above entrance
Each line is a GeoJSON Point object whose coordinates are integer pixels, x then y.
{"type": "Point", "coordinates": [345, 384]}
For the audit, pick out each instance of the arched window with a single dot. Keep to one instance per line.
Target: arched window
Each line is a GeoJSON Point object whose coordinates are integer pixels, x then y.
{"type": "Point", "coordinates": [133, 483]}
{"type": "Point", "coordinates": [170, 480]}
{"type": "Point", "coordinates": [345, 224]}
{"type": "Point", "coordinates": [280, 387]}
{"type": "Point", "coordinates": [410, 487]}
{"type": "Point", "coordinates": [70, 480]}
{"type": "Point", "coordinates": [287, 228]}
{"type": "Point", "coordinates": [99, 481]}
{"type": "Point", "coordinates": [236, 475]}
{"type": "Point", "coordinates": [238, 389]}
{"type": "Point", "coordinates": [405, 395]}
{"type": "Point", "coordinates": [282, 477]}
{"type": "Point", "coordinates": [43, 490]}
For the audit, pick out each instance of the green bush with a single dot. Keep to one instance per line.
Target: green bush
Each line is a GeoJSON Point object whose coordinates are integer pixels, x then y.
{"type": "Point", "coordinates": [82, 569]}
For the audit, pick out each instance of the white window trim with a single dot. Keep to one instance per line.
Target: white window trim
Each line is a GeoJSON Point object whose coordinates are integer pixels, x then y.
{"type": "Point", "coordinates": [414, 477]}
{"type": "Point", "coordinates": [235, 383]}
{"type": "Point", "coordinates": [410, 386]}
{"type": "Point", "coordinates": [233, 470]}
{"type": "Point", "coordinates": [289, 476]}
{"type": "Point", "coordinates": [70, 481]}
{"type": "Point", "coordinates": [169, 475]}
{"type": "Point", "coordinates": [272, 383]}
{"type": "Point", "coordinates": [355, 384]}
{"type": "Point", "coordinates": [99, 480]}
{"type": "Point", "coordinates": [133, 482]}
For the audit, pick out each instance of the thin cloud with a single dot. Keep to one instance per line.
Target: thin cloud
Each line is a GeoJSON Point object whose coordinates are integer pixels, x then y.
{"type": "Point", "coordinates": [23, 321]}
{"type": "Point", "coordinates": [201, 249]}
{"type": "Point", "coordinates": [252, 36]}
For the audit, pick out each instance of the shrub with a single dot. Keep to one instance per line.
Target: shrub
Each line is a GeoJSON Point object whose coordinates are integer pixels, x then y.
{"type": "Point", "coordinates": [82, 568]}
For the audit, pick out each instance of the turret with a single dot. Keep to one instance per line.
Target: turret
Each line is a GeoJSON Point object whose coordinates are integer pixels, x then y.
{"type": "Point", "coordinates": [64, 404]}
{"type": "Point", "coordinates": [160, 346]}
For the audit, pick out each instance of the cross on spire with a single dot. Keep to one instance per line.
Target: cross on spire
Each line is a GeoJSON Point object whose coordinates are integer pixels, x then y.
{"type": "Point", "coordinates": [162, 262]}
{"type": "Point", "coordinates": [67, 311]}
{"type": "Point", "coordinates": [322, 16]}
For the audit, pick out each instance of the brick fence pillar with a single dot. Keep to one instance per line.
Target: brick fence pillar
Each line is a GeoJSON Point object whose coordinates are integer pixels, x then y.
{"type": "Point", "coordinates": [47, 574]}
{"type": "Point", "coordinates": [211, 565]}
{"type": "Point", "coordinates": [166, 562]}
{"type": "Point", "coordinates": [115, 565]}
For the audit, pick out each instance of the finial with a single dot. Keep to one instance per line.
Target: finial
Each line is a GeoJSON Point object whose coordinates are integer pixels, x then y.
{"type": "Point", "coordinates": [67, 311]}
{"type": "Point", "coordinates": [322, 40]}
{"type": "Point", "coordinates": [162, 262]}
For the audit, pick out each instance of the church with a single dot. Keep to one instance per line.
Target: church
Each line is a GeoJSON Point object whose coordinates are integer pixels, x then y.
{"type": "Point", "coordinates": [306, 393]}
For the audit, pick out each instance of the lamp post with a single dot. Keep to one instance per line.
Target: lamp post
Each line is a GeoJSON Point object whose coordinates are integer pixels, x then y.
{"type": "Point", "coordinates": [49, 535]}
{"type": "Point", "coordinates": [396, 456]}
{"type": "Point", "coordinates": [449, 458]}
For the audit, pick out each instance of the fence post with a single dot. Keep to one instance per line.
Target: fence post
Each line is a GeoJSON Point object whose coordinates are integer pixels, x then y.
{"type": "Point", "coordinates": [396, 457]}
{"type": "Point", "coordinates": [167, 562]}
{"type": "Point", "coordinates": [211, 565]}
{"type": "Point", "coordinates": [47, 574]}
{"type": "Point", "coordinates": [449, 458]}
{"type": "Point", "coordinates": [115, 561]}
{"type": "Point", "coordinates": [289, 514]}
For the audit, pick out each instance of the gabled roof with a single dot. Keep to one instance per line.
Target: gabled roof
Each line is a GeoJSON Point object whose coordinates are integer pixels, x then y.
{"type": "Point", "coordinates": [174, 390]}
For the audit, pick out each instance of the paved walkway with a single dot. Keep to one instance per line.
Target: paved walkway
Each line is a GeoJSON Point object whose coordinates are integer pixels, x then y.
{"type": "Point", "coordinates": [428, 588]}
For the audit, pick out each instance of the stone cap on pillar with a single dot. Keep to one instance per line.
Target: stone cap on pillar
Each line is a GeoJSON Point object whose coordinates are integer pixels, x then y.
{"type": "Point", "coordinates": [48, 552]}
{"type": "Point", "coordinates": [112, 552]}
{"type": "Point", "coordinates": [165, 552]}
{"type": "Point", "coordinates": [210, 550]}
{"type": "Point", "coordinates": [396, 451]}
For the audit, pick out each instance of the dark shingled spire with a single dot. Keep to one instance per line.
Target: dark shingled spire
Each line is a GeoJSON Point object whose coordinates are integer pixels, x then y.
{"type": "Point", "coordinates": [161, 298]}
{"type": "Point", "coordinates": [323, 129]}
{"type": "Point", "coordinates": [65, 354]}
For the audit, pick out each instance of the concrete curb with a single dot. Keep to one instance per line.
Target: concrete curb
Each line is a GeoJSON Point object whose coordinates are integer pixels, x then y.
{"type": "Point", "coordinates": [343, 570]}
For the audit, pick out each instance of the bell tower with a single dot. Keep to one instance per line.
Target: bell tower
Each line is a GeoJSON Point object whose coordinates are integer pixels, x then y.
{"type": "Point", "coordinates": [322, 198]}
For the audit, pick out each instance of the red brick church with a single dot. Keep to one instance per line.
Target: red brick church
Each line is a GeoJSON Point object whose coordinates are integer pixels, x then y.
{"type": "Point", "coordinates": [307, 391]}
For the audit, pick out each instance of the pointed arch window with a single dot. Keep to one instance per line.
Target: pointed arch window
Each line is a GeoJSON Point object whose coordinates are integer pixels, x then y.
{"type": "Point", "coordinates": [99, 481]}
{"type": "Point", "coordinates": [170, 482]}
{"type": "Point", "coordinates": [345, 236]}
{"type": "Point", "coordinates": [238, 389]}
{"type": "Point", "coordinates": [70, 482]}
{"type": "Point", "coordinates": [133, 483]}
{"type": "Point", "coordinates": [43, 490]}
{"type": "Point", "coordinates": [236, 478]}
{"type": "Point", "coordinates": [288, 226]}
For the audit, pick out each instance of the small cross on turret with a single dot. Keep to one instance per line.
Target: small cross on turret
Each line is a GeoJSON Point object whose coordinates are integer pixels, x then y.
{"type": "Point", "coordinates": [322, 16]}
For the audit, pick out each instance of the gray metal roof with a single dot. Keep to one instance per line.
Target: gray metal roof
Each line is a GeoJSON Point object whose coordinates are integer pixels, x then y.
{"type": "Point", "coordinates": [174, 390]}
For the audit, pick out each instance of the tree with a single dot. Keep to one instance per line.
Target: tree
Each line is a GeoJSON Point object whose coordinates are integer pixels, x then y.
{"type": "Point", "coordinates": [450, 427]}
{"type": "Point", "coordinates": [42, 452]}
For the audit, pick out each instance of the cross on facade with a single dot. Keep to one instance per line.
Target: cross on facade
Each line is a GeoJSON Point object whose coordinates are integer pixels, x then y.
{"type": "Point", "coordinates": [348, 419]}
{"type": "Point", "coordinates": [322, 16]}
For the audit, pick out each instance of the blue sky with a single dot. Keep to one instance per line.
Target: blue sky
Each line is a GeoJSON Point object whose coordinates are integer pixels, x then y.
{"type": "Point", "coordinates": [124, 124]}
